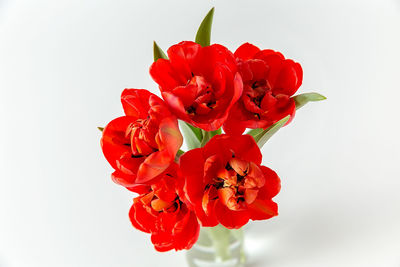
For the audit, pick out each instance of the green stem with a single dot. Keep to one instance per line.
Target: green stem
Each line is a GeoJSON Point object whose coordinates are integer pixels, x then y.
{"type": "Point", "coordinates": [238, 234]}
{"type": "Point", "coordinates": [220, 236]}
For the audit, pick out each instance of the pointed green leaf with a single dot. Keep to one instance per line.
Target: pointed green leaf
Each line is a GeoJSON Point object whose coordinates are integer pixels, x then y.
{"type": "Point", "coordinates": [157, 52]}
{"type": "Point", "coordinates": [100, 128]}
{"type": "Point", "coordinates": [254, 132]}
{"type": "Point", "coordinates": [191, 138]}
{"type": "Point", "coordinates": [303, 99]}
{"type": "Point", "coordinates": [203, 36]}
{"type": "Point", "coordinates": [265, 135]}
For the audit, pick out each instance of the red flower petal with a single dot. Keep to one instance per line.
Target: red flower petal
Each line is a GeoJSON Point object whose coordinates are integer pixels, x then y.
{"type": "Point", "coordinates": [162, 73]}
{"type": "Point", "coordinates": [141, 218]}
{"type": "Point", "coordinates": [263, 209]}
{"type": "Point", "coordinates": [250, 195]}
{"type": "Point", "coordinates": [226, 196]}
{"type": "Point", "coordinates": [170, 141]}
{"type": "Point", "coordinates": [162, 241]}
{"type": "Point", "coordinates": [274, 61]}
{"type": "Point", "coordinates": [245, 148]}
{"type": "Point", "coordinates": [234, 124]}
{"type": "Point", "coordinates": [246, 51]}
{"type": "Point", "coordinates": [259, 69]}
{"type": "Point", "coordinates": [192, 167]}
{"type": "Point", "coordinates": [240, 166]}
{"type": "Point", "coordinates": [182, 57]}
{"type": "Point", "coordinates": [114, 142]}
{"type": "Point", "coordinates": [124, 179]}
{"type": "Point", "coordinates": [272, 184]}
{"type": "Point", "coordinates": [255, 174]}
{"type": "Point", "coordinates": [136, 102]}
{"type": "Point", "coordinates": [139, 189]}
{"type": "Point", "coordinates": [207, 202]}
{"type": "Point", "coordinates": [231, 219]}
{"type": "Point", "coordinates": [186, 231]}
{"type": "Point", "coordinates": [289, 78]}
{"type": "Point", "coordinates": [176, 105]}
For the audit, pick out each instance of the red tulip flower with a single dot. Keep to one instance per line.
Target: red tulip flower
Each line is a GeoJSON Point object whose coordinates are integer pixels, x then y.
{"type": "Point", "coordinates": [142, 144]}
{"type": "Point", "coordinates": [199, 84]}
{"type": "Point", "coordinates": [269, 81]}
{"type": "Point", "coordinates": [224, 182]}
{"type": "Point", "coordinates": [159, 211]}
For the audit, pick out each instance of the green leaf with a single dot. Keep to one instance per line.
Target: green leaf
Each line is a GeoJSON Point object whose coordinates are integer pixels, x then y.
{"type": "Point", "coordinates": [191, 137]}
{"type": "Point", "coordinates": [254, 132]}
{"type": "Point", "coordinates": [157, 52]}
{"type": "Point", "coordinates": [100, 129]}
{"type": "Point", "coordinates": [303, 99]}
{"type": "Point", "coordinates": [180, 152]}
{"type": "Point", "coordinates": [265, 135]}
{"type": "Point", "coordinates": [214, 133]}
{"type": "Point", "coordinates": [197, 131]}
{"type": "Point", "coordinates": [203, 36]}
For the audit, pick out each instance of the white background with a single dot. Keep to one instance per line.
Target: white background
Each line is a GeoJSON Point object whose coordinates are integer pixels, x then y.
{"type": "Point", "coordinates": [64, 63]}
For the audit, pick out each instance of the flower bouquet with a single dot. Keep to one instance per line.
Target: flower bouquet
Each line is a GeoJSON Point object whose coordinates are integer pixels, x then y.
{"type": "Point", "coordinates": [207, 193]}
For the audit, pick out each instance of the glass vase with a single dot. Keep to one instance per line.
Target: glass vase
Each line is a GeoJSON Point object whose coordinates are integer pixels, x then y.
{"type": "Point", "coordinates": [217, 247]}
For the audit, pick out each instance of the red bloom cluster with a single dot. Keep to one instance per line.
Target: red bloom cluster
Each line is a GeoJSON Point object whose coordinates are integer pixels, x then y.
{"type": "Point", "coordinates": [222, 182]}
